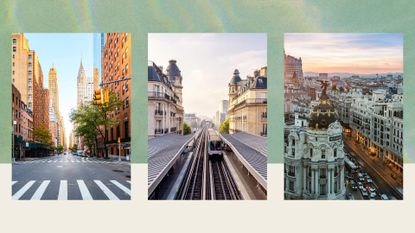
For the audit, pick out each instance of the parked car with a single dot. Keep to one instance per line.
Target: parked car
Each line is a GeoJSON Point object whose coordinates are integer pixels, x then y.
{"type": "Point", "coordinates": [80, 153]}
{"type": "Point", "coordinates": [384, 197]}
{"type": "Point", "coordinates": [372, 195]}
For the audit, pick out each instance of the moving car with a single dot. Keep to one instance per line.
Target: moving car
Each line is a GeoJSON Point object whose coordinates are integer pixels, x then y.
{"type": "Point", "coordinates": [384, 197]}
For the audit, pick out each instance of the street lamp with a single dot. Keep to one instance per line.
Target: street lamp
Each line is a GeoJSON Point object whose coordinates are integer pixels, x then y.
{"type": "Point", "coordinates": [13, 154]}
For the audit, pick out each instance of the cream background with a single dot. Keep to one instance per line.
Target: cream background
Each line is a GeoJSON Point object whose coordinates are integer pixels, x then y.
{"type": "Point", "coordinates": [141, 215]}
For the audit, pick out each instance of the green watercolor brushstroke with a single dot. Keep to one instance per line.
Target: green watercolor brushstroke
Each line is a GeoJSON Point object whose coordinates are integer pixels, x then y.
{"type": "Point", "coordinates": [140, 18]}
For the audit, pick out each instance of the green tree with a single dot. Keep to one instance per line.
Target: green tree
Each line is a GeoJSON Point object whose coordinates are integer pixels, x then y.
{"type": "Point", "coordinates": [224, 127]}
{"type": "Point", "coordinates": [59, 149]}
{"type": "Point", "coordinates": [42, 135]}
{"type": "Point", "coordinates": [92, 121]}
{"type": "Point", "coordinates": [74, 148]}
{"type": "Point", "coordinates": [186, 129]}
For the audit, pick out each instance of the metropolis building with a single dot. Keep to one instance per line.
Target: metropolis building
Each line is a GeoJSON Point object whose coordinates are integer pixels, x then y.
{"type": "Point", "coordinates": [314, 156]}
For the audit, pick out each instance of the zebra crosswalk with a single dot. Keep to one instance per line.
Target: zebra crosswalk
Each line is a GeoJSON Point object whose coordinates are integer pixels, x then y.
{"type": "Point", "coordinates": [71, 190]}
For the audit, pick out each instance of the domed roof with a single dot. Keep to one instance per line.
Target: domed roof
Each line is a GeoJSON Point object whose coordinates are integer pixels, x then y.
{"type": "Point", "coordinates": [235, 78]}
{"type": "Point", "coordinates": [324, 113]}
{"type": "Point", "coordinates": [172, 69]}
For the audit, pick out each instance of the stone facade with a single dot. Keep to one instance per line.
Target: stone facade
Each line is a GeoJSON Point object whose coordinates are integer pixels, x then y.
{"type": "Point", "coordinates": [165, 109]}
{"type": "Point", "coordinates": [248, 103]}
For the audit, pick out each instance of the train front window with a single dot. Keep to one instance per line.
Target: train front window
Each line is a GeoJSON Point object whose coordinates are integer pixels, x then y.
{"type": "Point", "coordinates": [215, 145]}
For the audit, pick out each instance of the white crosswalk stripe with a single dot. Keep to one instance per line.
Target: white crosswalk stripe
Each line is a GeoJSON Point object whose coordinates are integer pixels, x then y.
{"type": "Point", "coordinates": [41, 190]}
{"type": "Point", "coordinates": [84, 190]}
{"type": "Point", "coordinates": [122, 187]}
{"type": "Point", "coordinates": [106, 191]}
{"type": "Point", "coordinates": [23, 190]}
{"type": "Point", "coordinates": [63, 190]}
{"type": "Point", "coordinates": [45, 187]}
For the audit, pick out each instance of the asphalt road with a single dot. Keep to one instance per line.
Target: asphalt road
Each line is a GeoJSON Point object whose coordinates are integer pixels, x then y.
{"type": "Point", "coordinates": [68, 177]}
{"type": "Point", "coordinates": [375, 168]}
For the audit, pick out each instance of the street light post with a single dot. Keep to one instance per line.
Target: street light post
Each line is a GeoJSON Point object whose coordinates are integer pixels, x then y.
{"type": "Point", "coordinates": [13, 154]}
{"type": "Point", "coordinates": [119, 149]}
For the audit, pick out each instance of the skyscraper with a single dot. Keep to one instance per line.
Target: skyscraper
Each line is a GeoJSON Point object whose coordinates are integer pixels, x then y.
{"type": "Point", "coordinates": [54, 90]}
{"type": "Point", "coordinates": [81, 85]}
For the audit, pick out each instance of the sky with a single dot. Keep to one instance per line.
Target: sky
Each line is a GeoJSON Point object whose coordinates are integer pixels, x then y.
{"type": "Point", "coordinates": [359, 53]}
{"type": "Point", "coordinates": [207, 62]}
{"type": "Point", "coordinates": [64, 51]}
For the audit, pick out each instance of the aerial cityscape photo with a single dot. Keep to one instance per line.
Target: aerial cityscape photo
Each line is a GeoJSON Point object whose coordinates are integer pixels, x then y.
{"type": "Point", "coordinates": [343, 116]}
{"type": "Point", "coordinates": [207, 116]}
{"type": "Point", "coordinates": [71, 116]}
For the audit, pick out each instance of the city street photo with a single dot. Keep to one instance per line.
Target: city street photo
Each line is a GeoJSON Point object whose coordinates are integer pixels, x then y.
{"type": "Point", "coordinates": [71, 116]}
{"type": "Point", "coordinates": [343, 116]}
{"type": "Point", "coordinates": [207, 116]}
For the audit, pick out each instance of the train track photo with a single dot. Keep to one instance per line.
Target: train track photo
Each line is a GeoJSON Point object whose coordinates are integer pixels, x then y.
{"type": "Point", "coordinates": [208, 176]}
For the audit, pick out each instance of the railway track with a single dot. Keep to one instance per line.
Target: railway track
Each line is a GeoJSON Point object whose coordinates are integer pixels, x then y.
{"type": "Point", "coordinates": [207, 179]}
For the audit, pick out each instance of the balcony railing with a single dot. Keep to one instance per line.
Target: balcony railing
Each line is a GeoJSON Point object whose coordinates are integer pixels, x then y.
{"type": "Point", "coordinates": [158, 112]}
{"type": "Point", "coordinates": [251, 101]}
{"type": "Point", "coordinates": [161, 95]}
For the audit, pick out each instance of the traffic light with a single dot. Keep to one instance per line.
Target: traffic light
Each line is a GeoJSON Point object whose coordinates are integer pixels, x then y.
{"type": "Point", "coordinates": [106, 97]}
{"type": "Point", "coordinates": [98, 97]}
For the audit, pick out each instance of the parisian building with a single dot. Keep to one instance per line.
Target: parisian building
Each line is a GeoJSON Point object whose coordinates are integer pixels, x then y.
{"type": "Point", "coordinates": [313, 154]}
{"type": "Point", "coordinates": [165, 106]}
{"type": "Point", "coordinates": [248, 103]}
{"type": "Point", "coordinates": [116, 63]}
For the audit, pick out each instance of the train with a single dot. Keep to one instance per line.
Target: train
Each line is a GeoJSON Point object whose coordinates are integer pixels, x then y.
{"type": "Point", "coordinates": [215, 145]}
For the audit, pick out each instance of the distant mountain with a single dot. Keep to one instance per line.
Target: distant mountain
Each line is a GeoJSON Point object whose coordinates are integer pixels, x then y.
{"type": "Point", "coordinates": [346, 75]}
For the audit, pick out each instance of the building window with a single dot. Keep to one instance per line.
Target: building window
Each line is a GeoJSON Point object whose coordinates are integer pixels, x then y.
{"type": "Point", "coordinates": [293, 152]}
{"type": "Point", "coordinates": [311, 152]}
{"type": "Point", "coordinates": [112, 133]}
{"type": "Point", "coordinates": [14, 49]}
{"type": "Point", "coordinates": [118, 131]}
{"type": "Point", "coordinates": [14, 41]}
{"type": "Point", "coordinates": [335, 152]}
{"type": "Point", "coordinates": [291, 170]}
{"type": "Point", "coordinates": [323, 153]}
{"type": "Point", "coordinates": [291, 186]}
